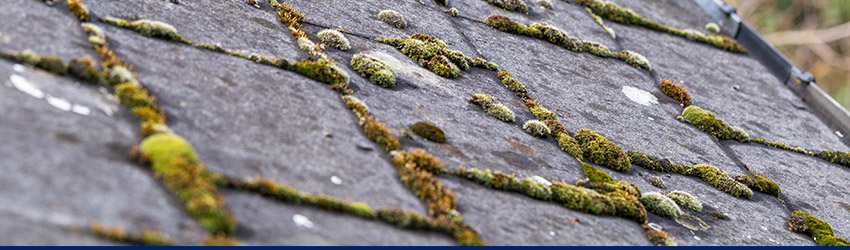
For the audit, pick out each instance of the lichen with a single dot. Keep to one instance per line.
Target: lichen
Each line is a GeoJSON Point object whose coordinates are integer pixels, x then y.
{"type": "Point", "coordinates": [142, 238]}
{"type": "Point", "coordinates": [176, 164]}
{"type": "Point", "coordinates": [675, 91]}
{"type": "Point", "coordinates": [334, 39]}
{"type": "Point", "coordinates": [429, 131]}
{"type": "Point", "coordinates": [602, 152]}
{"type": "Point", "coordinates": [79, 9]}
{"type": "Point", "coordinates": [392, 18]}
{"type": "Point", "coordinates": [705, 121]}
{"type": "Point", "coordinates": [536, 128]}
{"type": "Point", "coordinates": [709, 174]}
{"type": "Point", "coordinates": [685, 200]}
{"type": "Point", "coordinates": [614, 12]}
{"type": "Point", "coordinates": [760, 184]}
{"type": "Point", "coordinates": [661, 205]}
{"type": "Point", "coordinates": [510, 5]}
{"type": "Point", "coordinates": [820, 231]}
{"type": "Point", "coordinates": [374, 69]}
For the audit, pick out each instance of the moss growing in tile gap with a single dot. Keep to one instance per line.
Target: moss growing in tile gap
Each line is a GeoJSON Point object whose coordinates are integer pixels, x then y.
{"type": "Point", "coordinates": [601, 151]}
{"type": "Point", "coordinates": [510, 5]}
{"type": "Point", "coordinates": [659, 237]}
{"type": "Point", "coordinates": [536, 128]}
{"type": "Point", "coordinates": [685, 200]}
{"type": "Point", "coordinates": [433, 54]}
{"type": "Point", "coordinates": [598, 20]}
{"type": "Point", "coordinates": [760, 184]}
{"type": "Point", "coordinates": [176, 164]}
{"type": "Point", "coordinates": [515, 86]}
{"type": "Point", "coordinates": [142, 238]}
{"type": "Point", "coordinates": [782, 146]}
{"type": "Point", "coordinates": [374, 69]}
{"type": "Point", "coordinates": [82, 69]}
{"type": "Point", "coordinates": [148, 28]}
{"type": "Point", "coordinates": [556, 36]}
{"type": "Point", "coordinates": [709, 174]}
{"type": "Point", "coordinates": [614, 12]}
{"type": "Point", "coordinates": [820, 231]}
{"type": "Point", "coordinates": [837, 157]}
{"type": "Point", "coordinates": [495, 110]}
{"type": "Point", "coordinates": [78, 7]}
{"type": "Point", "coordinates": [675, 91]}
{"type": "Point", "coordinates": [705, 121]}
{"type": "Point", "coordinates": [617, 203]}
{"type": "Point", "coordinates": [661, 205]}
{"type": "Point", "coordinates": [289, 17]}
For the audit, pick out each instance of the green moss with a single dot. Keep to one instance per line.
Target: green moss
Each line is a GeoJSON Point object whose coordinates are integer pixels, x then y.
{"type": "Point", "coordinates": [79, 9]}
{"type": "Point", "coordinates": [719, 216]}
{"type": "Point", "coordinates": [685, 200]}
{"type": "Point", "coordinates": [442, 66]}
{"type": "Point", "coordinates": [760, 184]}
{"type": "Point", "coordinates": [515, 86]}
{"type": "Point", "coordinates": [49, 63]}
{"type": "Point", "coordinates": [536, 128]}
{"type": "Point", "coordinates": [705, 121]}
{"type": "Point", "coordinates": [569, 145]}
{"type": "Point", "coordinates": [712, 27]}
{"type": "Point", "coordinates": [85, 70]}
{"type": "Point", "coordinates": [510, 5]}
{"type": "Point", "coordinates": [614, 12]}
{"type": "Point", "coordinates": [392, 18]}
{"type": "Point", "coordinates": [118, 74]}
{"type": "Point", "coordinates": [334, 39]}
{"type": "Point", "coordinates": [221, 241]}
{"type": "Point", "coordinates": [357, 106]}
{"type": "Point", "coordinates": [546, 4]}
{"type": "Point", "coordinates": [675, 91]}
{"type": "Point", "coordinates": [634, 59]}
{"type": "Point", "coordinates": [175, 163]}
{"type": "Point", "coordinates": [323, 71]}
{"type": "Point", "coordinates": [540, 112]}
{"type": "Point", "coordinates": [595, 175]}
{"type": "Point", "coordinates": [602, 152]}
{"type": "Point", "coordinates": [661, 205]}
{"type": "Point", "coordinates": [132, 96]}
{"type": "Point", "coordinates": [709, 174]}
{"type": "Point", "coordinates": [820, 231]}
{"type": "Point", "coordinates": [148, 28]}
{"type": "Point", "coordinates": [656, 181]}
{"type": "Point", "coordinates": [782, 146]}
{"type": "Point", "coordinates": [378, 132]}
{"type": "Point", "coordinates": [429, 131]}
{"type": "Point", "coordinates": [598, 20]}
{"type": "Point", "coordinates": [452, 12]}
{"type": "Point", "coordinates": [658, 238]}
{"type": "Point", "coordinates": [498, 111]}
{"type": "Point", "coordinates": [373, 68]}
{"type": "Point", "coordinates": [837, 157]}
{"type": "Point", "coordinates": [406, 219]}
{"type": "Point", "coordinates": [143, 238]}
{"type": "Point", "coordinates": [483, 100]}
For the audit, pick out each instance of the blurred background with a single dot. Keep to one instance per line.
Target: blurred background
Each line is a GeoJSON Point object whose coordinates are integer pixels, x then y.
{"type": "Point", "coordinates": [814, 34]}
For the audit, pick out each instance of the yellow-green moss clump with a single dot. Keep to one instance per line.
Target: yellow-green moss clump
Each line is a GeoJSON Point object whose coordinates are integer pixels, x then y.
{"type": "Point", "coordinates": [143, 238]}
{"type": "Point", "coordinates": [79, 9]}
{"type": "Point", "coordinates": [546, 4]}
{"type": "Point", "coordinates": [285, 193]}
{"type": "Point", "coordinates": [617, 203]}
{"type": "Point", "coordinates": [614, 12]}
{"type": "Point", "coordinates": [175, 163]}
{"type": "Point", "coordinates": [661, 205]}
{"type": "Point", "coordinates": [148, 28]}
{"type": "Point", "coordinates": [536, 128]}
{"type": "Point", "coordinates": [554, 35]}
{"type": "Point", "coordinates": [322, 70]}
{"type": "Point", "coordinates": [373, 68]}
{"type": "Point", "coordinates": [815, 228]}
{"type": "Point", "coordinates": [598, 20]}
{"type": "Point", "coordinates": [429, 131]}
{"type": "Point", "coordinates": [837, 157]}
{"type": "Point", "coordinates": [712, 27]}
{"type": "Point", "coordinates": [83, 69]}
{"type": "Point", "coordinates": [602, 152]}
{"type": "Point", "coordinates": [496, 110]}
{"type": "Point", "coordinates": [433, 54]}
{"type": "Point", "coordinates": [656, 181]}
{"type": "Point", "coordinates": [705, 121]}
{"type": "Point", "coordinates": [675, 91]}
{"type": "Point", "coordinates": [784, 147]}
{"type": "Point", "coordinates": [510, 5]}
{"type": "Point", "coordinates": [334, 39]}
{"type": "Point", "coordinates": [685, 200]}
{"type": "Point", "coordinates": [406, 219]}
{"type": "Point", "coordinates": [392, 18]}
{"type": "Point", "coordinates": [707, 173]}
{"type": "Point", "coordinates": [760, 184]}
{"type": "Point", "coordinates": [569, 144]}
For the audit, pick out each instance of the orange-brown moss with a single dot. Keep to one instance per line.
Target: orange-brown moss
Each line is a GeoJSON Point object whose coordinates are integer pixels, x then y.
{"type": "Point", "coordinates": [675, 91]}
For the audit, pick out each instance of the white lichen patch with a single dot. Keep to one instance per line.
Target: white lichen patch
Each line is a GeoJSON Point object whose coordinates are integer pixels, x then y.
{"type": "Point", "coordinates": [639, 96]}
{"type": "Point", "coordinates": [336, 180]}
{"type": "Point", "coordinates": [302, 221]}
{"type": "Point", "coordinates": [59, 103]}
{"type": "Point", "coordinates": [23, 85]}
{"type": "Point", "coordinates": [540, 180]}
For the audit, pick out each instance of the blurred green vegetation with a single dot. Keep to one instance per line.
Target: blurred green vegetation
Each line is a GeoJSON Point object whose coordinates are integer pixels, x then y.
{"type": "Point", "coordinates": [814, 34]}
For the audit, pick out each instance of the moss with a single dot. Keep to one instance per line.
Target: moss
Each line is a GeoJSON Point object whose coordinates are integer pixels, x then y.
{"type": "Point", "coordinates": [614, 12]}
{"type": "Point", "coordinates": [685, 200]}
{"type": "Point", "coordinates": [483, 100]}
{"type": "Point", "coordinates": [49, 63]}
{"type": "Point", "coordinates": [133, 96]}
{"type": "Point", "coordinates": [546, 4]}
{"type": "Point", "coordinates": [392, 18]}
{"type": "Point", "coordinates": [378, 132]}
{"type": "Point", "coordinates": [536, 128]}
{"type": "Point", "coordinates": [421, 159]}
{"type": "Point", "coordinates": [85, 70]}
{"type": "Point", "coordinates": [503, 24]}
{"type": "Point", "coordinates": [452, 12]}
{"type": "Point", "coordinates": [79, 9]}
{"type": "Point", "coordinates": [719, 216]}
{"type": "Point", "coordinates": [323, 71]}
{"type": "Point", "coordinates": [634, 59]}
{"type": "Point", "coordinates": [288, 16]}
{"type": "Point", "coordinates": [658, 238]}
{"type": "Point", "coordinates": [175, 163]}
{"type": "Point", "coordinates": [595, 175]}
{"type": "Point", "coordinates": [656, 181]}
{"type": "Point", "coordinates": [510, 5]}
{"type": "Point", "coordinates": [143, 238]}
{"type": "Point", "coordinates": [515, 86]}
{"type": "Point", "coordinates": [598, 20]}
{"type": "Point", "coordinates": [705, 121]}
{"type": "Point", "coordinates": [837, 157]}
{"type": "Point", "coordinates": [357, 106]}
{"type": "Point", "coordinates": [569, 144]}
{"type": "Point", "coordinates": [334, 39]}
{"type": "Point", "coordinates": [602, 152]}
{"type": "Point", "coordinates": [760, 184]}
{"type": "Point", "coordinates": [501, 112]}
{"type": "Point", "coordinates": [781, 146]}
{"type": "Point", "coordinates": [442, 2]}
{"type": "Point", "coordinates": [117, 75]}
{"type": "Point", "coordinates": [308, 46]}
{"type": "Point", "coordinates": [221, 241]}
{"type": "Point", "coordinates": [661, 205]}
{"type": "Point", "coordinates": [540, 112]}
{"type": "Point", "coordinates": [709, 174]}
{"type": "Point", "coordinates": [675, 91]}
{"type": "Point", "coordinates": [148, 28]}
{"type": "Point", "coordinates": [373, 68]}
{"type": "Point", "coordinates": [712, 27]}
{"type": "Point", "coordinates": [429, 131]}
{"type": "Point", "coordinates": [441, 66]}
{"type": "Point", "coordinates": [820, 231]}
{"type": "Point", "coordinates": [406, 219]}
